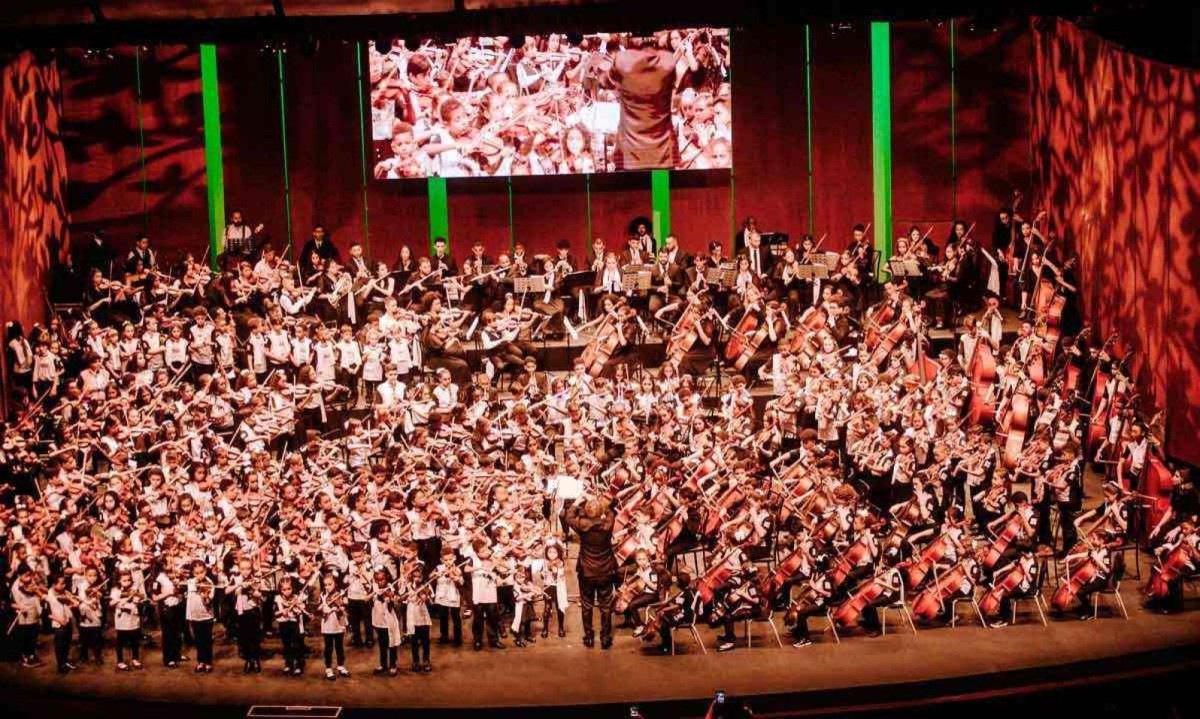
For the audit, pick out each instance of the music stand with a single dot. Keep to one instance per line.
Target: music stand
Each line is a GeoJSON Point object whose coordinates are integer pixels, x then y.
{"type": "Point", "coordinates": [831, 260]}
{"type": "Point", "coordinates": [809, 273]}
{"type": "Point", "coordinates": [638, 280]}
{"type": "Point", "coordinates": [524, 285]}
{"type": "Point", "coordinates": [900, 267]}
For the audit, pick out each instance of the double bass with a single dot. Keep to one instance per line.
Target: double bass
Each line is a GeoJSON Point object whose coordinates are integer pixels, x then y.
{"type": "Point", "coordinates": [1157, 487]}
{"type": "Point", "coordinates": [982, 371]}
{"type": "Point", "coordinates": [1018, 426]}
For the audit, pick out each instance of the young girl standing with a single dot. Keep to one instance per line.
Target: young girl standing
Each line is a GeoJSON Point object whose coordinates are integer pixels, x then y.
{"type": "Point", "coordinates": [333, 625]}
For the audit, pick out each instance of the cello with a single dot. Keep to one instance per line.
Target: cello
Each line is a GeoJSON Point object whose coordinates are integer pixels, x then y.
{"type": "Point", "coordinates": [1179, 562]}
{"type": "Point", "coordinates": [751, 333]}
{"type": "Point", "coordinates": [1012, 578]}
{"type": "Point", "coordinates": [607, 340]}
{"type": "Point", "coordinates": [879, 589]}
{"type": "Point", "coordinates": [958, 581]}
{"type": "Point", "coordinates": [1085, 573]}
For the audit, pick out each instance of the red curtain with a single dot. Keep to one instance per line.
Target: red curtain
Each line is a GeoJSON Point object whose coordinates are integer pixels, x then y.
{"type": "Point", "coordinates": [1116, 137]}
{"type": "Point", "coordinates": [33, 208]}
{"type": "Point", "coordinates": [770, 134]}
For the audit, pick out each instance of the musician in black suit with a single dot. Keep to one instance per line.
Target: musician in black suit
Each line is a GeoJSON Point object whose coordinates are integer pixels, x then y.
{"type": "Point", "coordinates": [320, 245]}
{"type": "Point", "coordinates": [141, 252]}
{"type": "Point", "coordinates": [742, 239]}
{"type": "Point", "coordinates": [759, 256]}
{"type": "Point", "coordinates": [441, 258]}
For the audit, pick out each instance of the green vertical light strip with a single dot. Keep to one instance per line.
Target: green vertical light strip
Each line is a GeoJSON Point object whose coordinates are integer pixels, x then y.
{"type": "Point", "coordinates": [953, 121]}
{"type": "Point", "coordinates": [660, 203]}
{"type": "Point", "coordinates": [812, 190]}
{"type": "Point", "coordinates": [362, 143]}
{"type": "Point", "coordinates": [439, 210]}
{"type": "Point", "coordinates": [881, 137]}
{"type": "Point", "coordinates": [137, 64]}
{"type": "Point", "coordinates": [213, 163]}
{"type": "Point", "coordinates": [287, 181]}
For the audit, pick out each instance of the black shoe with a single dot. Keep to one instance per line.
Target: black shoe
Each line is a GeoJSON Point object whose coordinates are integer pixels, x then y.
{"type": "Point", "coordinates": [589, 641]}
{"type": "Point", "coordinates": [529, 639]}
{"type": "Point", "coordinates": [497, 645]}
{"type": "Point", "coordinates": [443, 640]}
{"type": "Point", "coordinates": [562, 632]}
{"type": "Point", "coordinates": [606, 643]}
{"type": "Point", "coordinates": [426, 667]}
{"type": "Point", "coordinates": [545, 634]}
{"type": "Point", "coordinates": [416, 668]}
{"type": "Point", "coordinates": [519, 642]}
{"type": "Point", "coordinates": [478, 646]}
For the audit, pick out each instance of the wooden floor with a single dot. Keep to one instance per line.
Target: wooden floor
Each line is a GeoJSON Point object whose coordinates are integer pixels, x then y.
{"type": "Point", "coordinates": [562, 672]}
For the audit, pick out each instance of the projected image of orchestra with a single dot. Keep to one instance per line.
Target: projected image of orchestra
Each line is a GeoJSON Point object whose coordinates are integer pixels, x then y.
{"type": "Point", "coordinates": [551, 104]}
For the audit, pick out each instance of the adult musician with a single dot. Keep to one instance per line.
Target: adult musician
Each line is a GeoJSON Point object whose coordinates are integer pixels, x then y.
{"type": "Point", "coordinates": [640, 233]}
{"type": "Point", "coordinates": [320, 246]}
{"type": "Point", "coordinates": [241, 240]}
{"type": "Point", "coordinates": [758, 255]}
{"type": "Point", "coordinates": [644, 77]}
{"type": "Point", "coordinates": [441, 258]}
{"type": "Point", "coordinates": [749, 229]}
{"type": "Point", "coordinates": [593, 519]}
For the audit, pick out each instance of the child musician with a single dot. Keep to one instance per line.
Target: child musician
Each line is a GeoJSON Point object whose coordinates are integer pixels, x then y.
{"type": "Point", "coordinates": [554, 589]}
{"type": "Point", "coordinates": [416, 607]}
{"type": "Point", "coordinates": [385, 622]}
{"type": "Point", "coordinates": [170, 612]}
{"type": "Point", "coordinates": [247, 604]}
{"type": "Point", "coordinates": [333, 625]}
{"type": "Point", "coordinates": [483, 597]}
{"type": "Point", "coordinates": [27, 603]}
{"type": "Point", "coordinates": [90, 639]}
{"type": "Point", "coordinates": [60, 601]}
{"type": "Point", "coordinates": [447, 597]}
{"type": "Point", "coordinates": [125, 599]}
{"type": "Point", "coordinates": [289, 617]}
{"type": "Point", "coordinates": [200, 616]}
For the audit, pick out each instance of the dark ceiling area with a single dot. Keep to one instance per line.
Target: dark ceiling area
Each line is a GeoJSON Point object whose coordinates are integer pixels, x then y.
{"type": "Point", "coordinates": [1168, 31]}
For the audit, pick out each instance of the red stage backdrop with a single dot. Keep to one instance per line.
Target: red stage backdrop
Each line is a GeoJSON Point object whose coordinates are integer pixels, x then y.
{"type": "Point", "coordinates": [33, 208]}
{"type": "Point", "coordinates": [1116, 140]}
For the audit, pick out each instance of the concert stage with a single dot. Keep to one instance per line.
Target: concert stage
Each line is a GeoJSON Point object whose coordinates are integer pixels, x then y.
{"type": "Point", "coordinates": [557, 677]}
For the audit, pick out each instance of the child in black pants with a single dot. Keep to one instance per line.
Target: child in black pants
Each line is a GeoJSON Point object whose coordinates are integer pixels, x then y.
{"type": "Point", "coordinates": [288, 614]}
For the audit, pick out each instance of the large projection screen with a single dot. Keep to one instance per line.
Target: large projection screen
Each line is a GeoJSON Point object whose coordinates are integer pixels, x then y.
{"type": "Point", "coordinates": [551, 104]}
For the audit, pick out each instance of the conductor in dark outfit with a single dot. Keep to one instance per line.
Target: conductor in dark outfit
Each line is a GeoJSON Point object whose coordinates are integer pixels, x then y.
{"type": "Point", "coordinates": [644, 75]}
{"type": "Point", "coordinates": [593, 520]}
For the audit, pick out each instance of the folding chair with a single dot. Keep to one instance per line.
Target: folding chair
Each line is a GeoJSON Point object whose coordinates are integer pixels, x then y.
{"type": "Point", "coordinates": [695, 635]}
{"type": "Point", "coordinates": [769, 619]}
{"type": "Point", "coordinates": [897, 605]}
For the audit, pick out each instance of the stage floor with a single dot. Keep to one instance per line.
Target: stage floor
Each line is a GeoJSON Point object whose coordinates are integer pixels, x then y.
{"type": "Point", "coordinates": [562, 672]}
